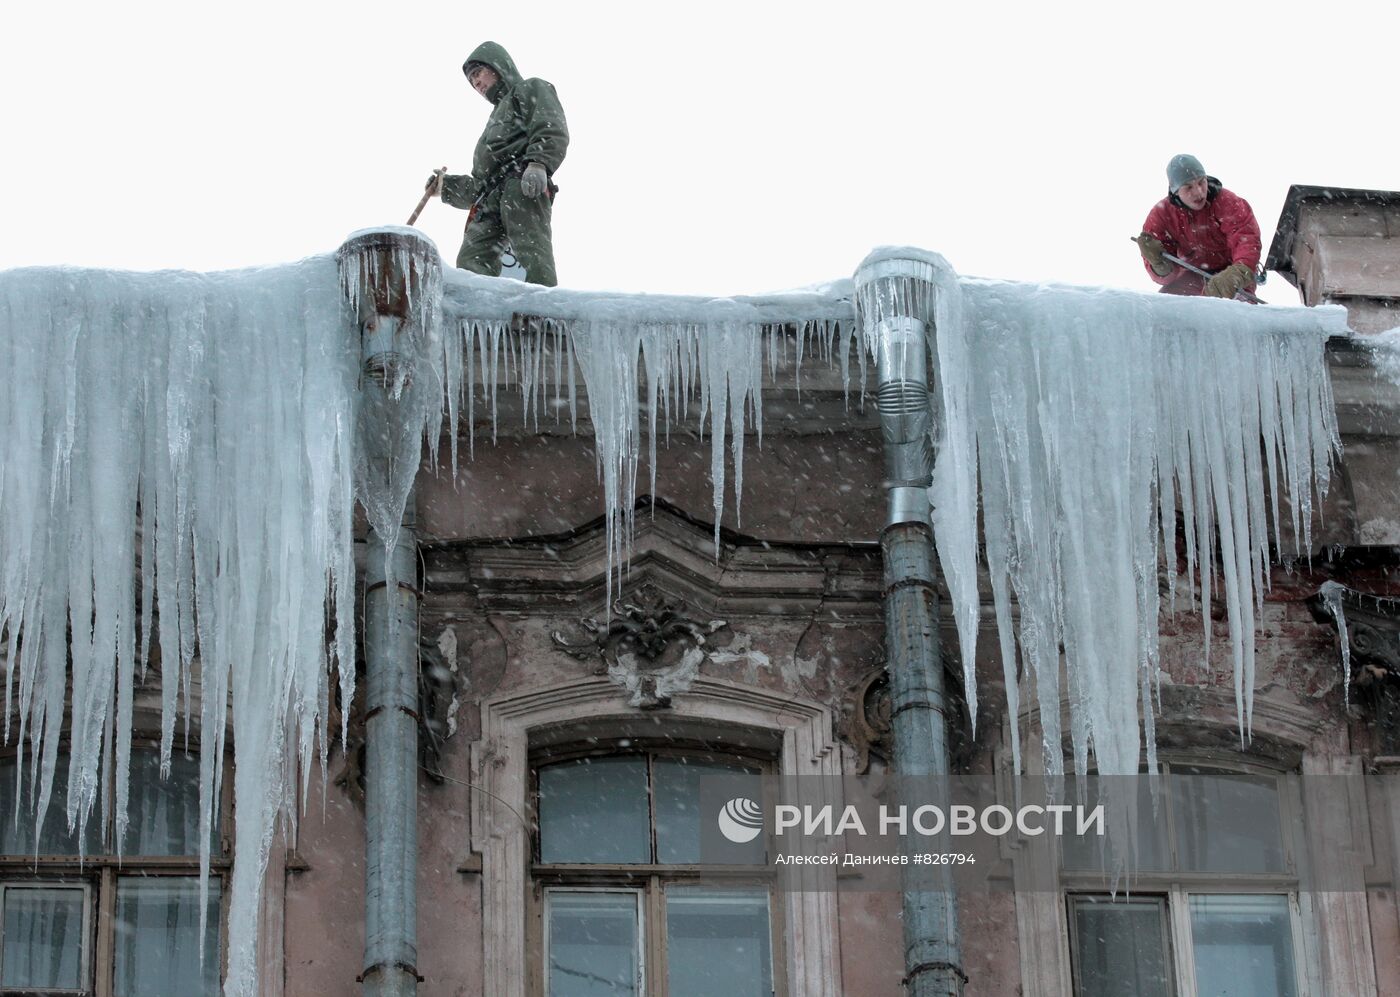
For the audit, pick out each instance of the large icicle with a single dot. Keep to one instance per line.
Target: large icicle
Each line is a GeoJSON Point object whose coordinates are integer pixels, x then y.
{"type": "Point", "coordinates": [1089, 412]}
{"type": "Point", "coordinates": [392, 280]}
{"type": "Point", "coordinates": [214, 412]}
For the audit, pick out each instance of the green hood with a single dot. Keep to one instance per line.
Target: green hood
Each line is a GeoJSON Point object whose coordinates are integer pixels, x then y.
{"type": "Point", "coordinates": [495, 56]}
{"type": "Point", "coordinates": [526, 126]}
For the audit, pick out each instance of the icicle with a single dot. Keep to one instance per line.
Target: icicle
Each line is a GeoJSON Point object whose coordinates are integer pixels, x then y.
{"type": "Point", "coordinates": [217, 405]}
{"type": "Point", "coordinates": [393, 285]}
{"type": "Point", "coordinates": [225, 406]}
{"type": "Point", "coordinates": [1331, 593]}
{"type": "Point", "coordinates": [1089, 412]}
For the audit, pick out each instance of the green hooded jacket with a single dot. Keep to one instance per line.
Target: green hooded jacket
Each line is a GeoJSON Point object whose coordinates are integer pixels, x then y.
{"type": "Point", "coordinates": [526, 126]}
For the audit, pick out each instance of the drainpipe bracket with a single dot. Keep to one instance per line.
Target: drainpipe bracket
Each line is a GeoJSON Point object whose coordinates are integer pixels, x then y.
{"type": "Point", "coordinates": [379, 967]}
{"type": "Point", "coordinates": [410, 589]}
{"type": "Point", "coordinates": [932, 967]}
{"type": "Point", "coordinates": [374, 712]}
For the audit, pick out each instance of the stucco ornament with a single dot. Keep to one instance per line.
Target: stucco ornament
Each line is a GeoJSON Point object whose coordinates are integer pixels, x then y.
{"type": "Point", "coordinates": [648, 647]}
{"type": "Point", "coordinates": [867, 707]}
{"type": "Point", "coordinates": [865, 720]}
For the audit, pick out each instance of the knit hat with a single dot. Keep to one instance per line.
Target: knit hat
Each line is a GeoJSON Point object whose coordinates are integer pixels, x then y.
{"type": "Point", "coordinates": [1182, 170]}
{"type": "Point", "coordinates": [471, 66]}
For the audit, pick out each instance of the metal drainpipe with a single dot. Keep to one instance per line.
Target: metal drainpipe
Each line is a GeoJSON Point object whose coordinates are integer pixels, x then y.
{"type": "Point", "coordinates": [391, 767]}
{"type": "Point", "coordinates": [894, 294]}
{"type": "Point", "coordinates": [388, 275]}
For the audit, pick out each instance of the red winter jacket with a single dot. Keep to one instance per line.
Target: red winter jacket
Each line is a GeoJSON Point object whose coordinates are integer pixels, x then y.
{"type": "Point", "coordinates": [1223, 232]}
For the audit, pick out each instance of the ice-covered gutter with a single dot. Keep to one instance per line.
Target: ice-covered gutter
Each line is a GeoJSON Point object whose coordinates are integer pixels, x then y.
{"type": "Point", "coordinates": [221, 414]}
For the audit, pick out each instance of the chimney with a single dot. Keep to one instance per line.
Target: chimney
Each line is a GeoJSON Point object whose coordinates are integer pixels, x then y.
{"type": "Point", "coordinates": [1340, 246]}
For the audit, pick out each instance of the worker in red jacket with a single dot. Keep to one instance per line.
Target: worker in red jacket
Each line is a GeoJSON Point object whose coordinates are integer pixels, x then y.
{"type": "Point", "coordinates": [1207, 226]}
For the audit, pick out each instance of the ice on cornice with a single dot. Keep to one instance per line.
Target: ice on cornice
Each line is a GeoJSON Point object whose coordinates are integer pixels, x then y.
{"type": "Point", "coordinates": [185, 445]}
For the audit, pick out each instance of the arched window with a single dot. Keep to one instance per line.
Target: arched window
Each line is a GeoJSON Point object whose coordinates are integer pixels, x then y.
{"type": "Point", "coordinates": [714, 722]}
{"type": "Point", "coordinates": [635, 892]}
{"type": "Point", "coordinates": [1213, 904]}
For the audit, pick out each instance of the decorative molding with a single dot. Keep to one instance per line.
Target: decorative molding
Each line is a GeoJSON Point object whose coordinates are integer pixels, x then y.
{"type": "Point", "coordinates": [647, 646]}
{"type": "Point", "coordinates": [1204, 717]}
{"type": "Point", "coordinates": [802, 730]}
{"type": "Point", "coordinates": [865, 720]}
{"type": "Point", "coordinates": [744, 577]}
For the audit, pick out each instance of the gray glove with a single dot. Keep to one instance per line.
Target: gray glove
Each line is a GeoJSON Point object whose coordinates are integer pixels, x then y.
{"type": "Point", "coordinates": [534, 181]}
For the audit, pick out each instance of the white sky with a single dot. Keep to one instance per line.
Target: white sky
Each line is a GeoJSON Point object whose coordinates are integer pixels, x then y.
{"type": "Point", "coordinates": [717, 148]}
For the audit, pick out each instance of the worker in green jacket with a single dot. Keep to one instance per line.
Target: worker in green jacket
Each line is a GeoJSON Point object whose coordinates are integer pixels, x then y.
{"type": "Point", "coordinates": [510, 190]}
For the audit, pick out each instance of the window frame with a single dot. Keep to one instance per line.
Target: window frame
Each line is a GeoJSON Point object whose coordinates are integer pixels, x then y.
{"type": "Point", "coordinates": [1175, 887]}
{"type": "Point", "coordinates": [650, 880]}
{"type": "Point", "coordinates": [85, 957]}
{"type": "Point", "coordinates": [1165, 917]}
{"type": "Point", "coordinates": [640, 895]}
{"type": "Point", "coordinates": [98, 873]}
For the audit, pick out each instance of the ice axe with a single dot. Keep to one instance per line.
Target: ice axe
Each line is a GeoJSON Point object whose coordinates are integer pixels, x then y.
{"type": "Point", "coordinates": [1204, 274]}
{"type": "Point", "coordinates": [433, 187]}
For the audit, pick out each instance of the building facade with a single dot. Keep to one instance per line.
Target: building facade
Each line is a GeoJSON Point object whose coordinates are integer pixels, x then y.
{"type": "Point", "coordinates": [570, 707]}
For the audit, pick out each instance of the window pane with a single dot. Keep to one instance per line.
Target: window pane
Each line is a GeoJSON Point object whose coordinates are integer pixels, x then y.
{"type": "Point", "coordinates": [43, 937]}
{"type": "Point", "coordinates": [595, 810]}
{"type": "Point", "coordinates": [717, 942]}
{"type": "Point", "coordinates": [1226, 821]}
{"type": "Point", "coordinates": [17, 820]}
{"type": "Point", "coordinates": [157, 938]}
{"type": "Point", "coordinates": [691, 792]}
{"type": "Point", "coordinates": [594, 944]}
{"type": "Point", "coordinates": [1149, 844]}
{"type": "Point", "coordinates": [165, 812]}
{"type": "Point", "coordinates": [1244, 946]}
{"type": "Point", "coordinates": [1120, 947]}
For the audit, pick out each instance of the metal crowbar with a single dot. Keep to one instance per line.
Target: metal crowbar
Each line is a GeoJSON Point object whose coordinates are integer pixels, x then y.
{"type": "Point", "coordinates": [1206, 274]}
